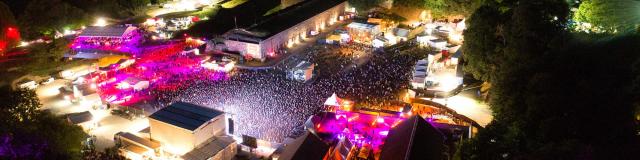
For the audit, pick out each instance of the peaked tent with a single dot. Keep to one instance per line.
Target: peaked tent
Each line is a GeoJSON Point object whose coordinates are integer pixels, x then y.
{"type": "Point", "coordinates": [333, 101]}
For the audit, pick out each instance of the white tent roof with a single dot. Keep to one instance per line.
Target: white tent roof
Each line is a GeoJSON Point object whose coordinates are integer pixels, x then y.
{"type": "Point", "coordinates": [332, 101]}
{"type": "Point", "coordinates": [362, 26]}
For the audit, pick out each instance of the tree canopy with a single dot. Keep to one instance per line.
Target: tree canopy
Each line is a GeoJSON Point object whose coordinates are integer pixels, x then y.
{"type": "Point", "coordinates": [59, 15]}
{"type": "Point", "coordinates": [70, 14]}
{"type": "Point", "coordinates": [28, 133]}
{"type": "Point", "coordinates": [364, 5]}
{"type": "Point", "coordinates": [442, 8]}
{"type": "Point", "coordinates": [609, 15]}
{"type": "Point", "coordinates": [46, 57]}
{"type": "Point", "coordinates": [553, 96]}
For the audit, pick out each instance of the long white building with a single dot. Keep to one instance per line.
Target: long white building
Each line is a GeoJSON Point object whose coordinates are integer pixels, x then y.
{"type": "Point", "coordinates": [284, 29]}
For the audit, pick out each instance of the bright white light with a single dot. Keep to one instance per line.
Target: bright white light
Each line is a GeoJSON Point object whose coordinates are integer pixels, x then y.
{"type": "Point", "coordinates": [469, 107]}
{"type": "Point", "coordinates": [123, 85]}
{"type": "Point", "coordinates": [100, 22]}
{"type": "Point", "coordinates": [67, 32]}
{"type": "Point", "coordinates": [24, 44]}
{"type": "Point", "coordinates": [449, 82]}
{"type": "Point", "coordinates": [150, 21]}
{"type": "Point", "coordinates": [218, 67]}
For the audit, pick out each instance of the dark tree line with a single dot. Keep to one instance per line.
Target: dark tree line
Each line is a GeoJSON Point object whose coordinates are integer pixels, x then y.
{"type": "Point", "coordinates": [37, 18]}
{"type": "Point", "coordinates": [364, 5]}
{"type": "Point", "coordinates": [555, 95]}
{"type": "Point", "coordinates": [442, 8]}
{"type": "Point", "coordinates": [29, 133]}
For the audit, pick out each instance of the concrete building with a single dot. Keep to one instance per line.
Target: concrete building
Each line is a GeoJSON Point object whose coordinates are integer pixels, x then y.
{"type": "Point", "coordinates": [363, 32]}
{"type": "Point", "coordinates": [284, 29]}
{"type": "Point", "coordinates": [219, 148]}
{"type": "Point", "coordinates": [181, 127]}
{"type": "Point", "coordinates": [301, 72]}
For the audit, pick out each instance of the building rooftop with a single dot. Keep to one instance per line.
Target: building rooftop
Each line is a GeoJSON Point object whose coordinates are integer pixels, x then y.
{"type": "Point", "coordinates": [438, 40]}
{"type": "Point", "coordinates": [307, 147]}
{"type": "Point", "coordinates": [107, 31]}
{"type": "Point", "coordinates": [283, 20]}
{"type": "Point", "coordinates": [303, 65]}
{"type": "Point", "coordinates": [401, 32]}
{"type": "Point", "coordinates": [209, 149]}
{"type": "Point", "coordinates": [185, 115]}
{"type": "Point", "coordinates": [413, 138]}
{"type": "Point", "coordinates": [141, 142]}
{"type": "Point", "coordinates": [80, 117]}
{"type": "Point", "coordinates": [135, 149]}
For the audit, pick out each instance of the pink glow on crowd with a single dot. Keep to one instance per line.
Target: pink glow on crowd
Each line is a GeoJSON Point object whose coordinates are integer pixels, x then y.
{"type": "Point", "coordinates": [360, 128]}
{"type": "Point", "coordinates": [155, 69]}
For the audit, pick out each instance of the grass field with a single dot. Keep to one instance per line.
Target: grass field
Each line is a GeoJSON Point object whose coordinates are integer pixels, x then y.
{"type": "Point", "coordinates": [233, 3]}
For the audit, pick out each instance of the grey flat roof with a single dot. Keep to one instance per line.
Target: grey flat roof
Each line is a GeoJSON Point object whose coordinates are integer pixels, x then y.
{"type": "Point", "coordinates": [106, 31]}
{"type": "Point", "coordinates": [186, 115]}
{"type": "Point", "coordinates": [210, 149]}
{"type": "Point", "coordinates": [283, 20]}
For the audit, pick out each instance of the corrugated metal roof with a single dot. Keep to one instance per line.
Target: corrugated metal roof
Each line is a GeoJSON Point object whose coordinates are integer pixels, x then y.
{"type": "Point", "coordinates": [209, 149]}
{"type": "Point", "coordinates": [185, 115]}
{"type": "Point", "coordinates": [107, 31]}
{"type": "Point", "coordinates": [283, 20]}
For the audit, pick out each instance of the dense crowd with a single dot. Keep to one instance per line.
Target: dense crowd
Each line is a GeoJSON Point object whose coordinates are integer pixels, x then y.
{"type": "Point", "coordinates": [268, 106]}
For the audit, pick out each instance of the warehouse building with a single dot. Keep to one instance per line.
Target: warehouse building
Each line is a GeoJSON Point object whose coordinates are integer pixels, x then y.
{"type": "Point", "coordinates": [284, 29]}
{"type": "Point", "coordinates": [183, 127]}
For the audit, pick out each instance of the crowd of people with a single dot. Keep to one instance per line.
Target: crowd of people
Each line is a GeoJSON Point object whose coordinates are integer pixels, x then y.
{"type": "Point", "coordinates": [268, 106]}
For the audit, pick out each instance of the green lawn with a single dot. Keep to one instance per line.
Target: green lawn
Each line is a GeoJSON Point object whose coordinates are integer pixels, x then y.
{"type": "Point", "coordinates": [233, 3]}
{"type": "Point", "coordinates": [273, 10]}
